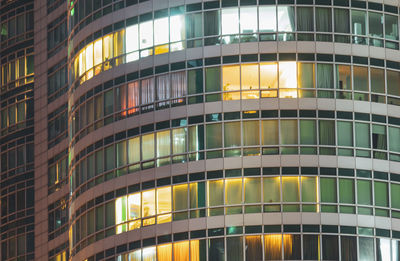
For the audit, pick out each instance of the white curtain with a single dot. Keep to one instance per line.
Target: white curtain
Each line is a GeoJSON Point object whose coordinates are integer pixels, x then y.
{"type": "Point", "coordinates": [133, 97]}
{"type": "Point", "coordinates": [163, 88]}
{"type": "Point", "coordinates": [147, 91]}
{"type": "Point", "coordinates": [178, 82]}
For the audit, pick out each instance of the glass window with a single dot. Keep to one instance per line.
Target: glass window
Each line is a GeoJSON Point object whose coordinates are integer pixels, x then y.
{"type": "Point", "coordinates": [391, 27]}
{"type": "Point", "coordinates": [269, 75]}
{"type": "Point", "coordinates": [249, 76]}
{"type": "Point", "coordinates": [121, 154]}
{"type": "Point", "coordinates": [133, 96]}
{"type": "Point", "coordinates": [234, 248]}
{"type": "Point", "coordinates": [164, 252]}
{"type": "Point", "coordinates": [324, 76]}
{"type": "Point", "coordinates": [379, 137]}
{"type": "Point", "coordinates": [345, 133]}
{"type": "Point", "coordinates": [148, 203]}
{"type": "Point", "coordinates": [195, 81]}
{"type": "Point", "coordinates": [377, 80]}
{"type": "Point", "coordinates": [197, 195]}
{"type": "Point", "coordinates": [110, 214]}
{"type": "Point", "coordinates": [98, 52]}
{"type": "Point", "coordinates": [233, 191]}
{"type": "Point", "coordinates": [148, 143]}
{"type": "Point", "coordinates": [346, 191]}
{"type": "Point", "coordinates": [383, 249]}
{"type": "Point", "coordinates": [395, 195]}
{"type": "Point", "coordinates": [232, 134]}
{"type": "Point", "coordinates": [269, 132]}
{"type": "Point", "coordinates": [215, 193]}
{"type": "Point", "coordinates": [366, 248]}
{"type": "Point", "coordinates": [108, 47]}
{"type": "Point", "coordinates": [179, 140]}
{"type": "Point", "coordinates": [323, 19]}
{"type": "Point", "coordinates": [163, 143]}
{"type": "Point", "coordinates": [360, 76]}
{"type": "Point", "coordinates": [213, 79]}
{"type": "Point", "coordinates": [149, 254]}
{"type": "Point", "coordinates": [359, 22]}
{"type": "Point", "coordinates": [196, 138]}
{"type": "Point", "coordinates": [381, 194]}
{"type": "Point", "coordinates": [362, 135]}
{"type": "Point", "coordinates": [253, 248]}
{"type": "Point", "coordinates": [348, 248]}
{"type": "Point", "coordinates": [161, 31]}
{"type": "Point", "coordinates": [147, 90]}
{"type": "Point", "coordinates": [375, 24]}
{"type": "Point", "coordinates": [287, 80]}
{"type": "Point", "coordinates": [290, 189]}
{"type": "Point", "coordinates": [364, 192]}
{"type": "Point", "coordinates": [309, 189]}
{"type": "Point", "coordinates": [214, 136]}
{"type": "Point", "coordinates": [178, 85]}
{"type": "Point", "coordinates": [342, 21]}
{"type": "Point", "coordinates": [119, 43]}
{"type": "Point", "coordinates": [109, 157]}
{"type": "Point", "coordinates": [248, 19]}
{"type": "Point", "coordinates": [267, 19]}
{"type": "Point", "coordinates": [180, 197]}
{"type": "Point", "coordinates": [134, 206]}
{"type": "Point", "coordinates": [230, 21]}
{"type": "Point", "coordinates": [164, 204]}
{"type": "Point", "coordinates": [132, 43]}
{"type": "Point", "coordinates": [308, 132]}
{"type": "Point", "coordinates": [326, 132]}
{"type": "Point", "coordinates": [216, 249]}
{"type": "Point", "coordinates": [120, 210]}
{"type": "Point", "coordinates": [286, 19]}
{"type": "Point", "coordinates": [193, 25]}
{"type": "Point", "coordinates": [343, 77]}
{"type": "Point", "coordinates": [273, 246]}
{"type": "Point", "coordinates": [292, 247]}
{"type": "Point", "coordinates": [134, 150]}
{"type": "Point", "coordinates": [231, 81]}
{"type": "Point", "coordinates": [212, 23]}
{"type": "Point", "coordinates": [394, 139]}
{"type": "Point", "coordinates": [177, 31]}
{"type": "Point", "coordinates": [305, 75]}
{"type": "Point", "coordinates": [330, 247]}
{"type": "Point", "coordinates": [288, 132]}
{"type": "Point", "coordinates": [305, 19]}
{"type": "Point", "coordinates": [163, 88]}
{"type": "Point", "coordinates": [252, 190]}
{"type": "Point", "coordinates": [108, 102]}
{"type": "Point", "coordinates": [181, 251]}
{"type": "Point", "coordinates": [146, 34]}
{"type": "Point", "coordinates": [393, 83]}
{"type": "Point", "coordinates": [251, 133]}
{"type": "Point", "coordinates": [328, 190]}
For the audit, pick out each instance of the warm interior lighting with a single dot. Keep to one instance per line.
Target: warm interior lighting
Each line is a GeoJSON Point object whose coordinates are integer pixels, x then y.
{"type": "Point", "coordinates": [181, 251]}
{"type": "Point", "coordinates": [149, 254]}
{"type": "Point", "coordinates": [273, 246]}
{"type": "Point", "coordinates": [194, 250]}
{"type": "Point", "coordinates": [287, 80]}
{"type": "Point", "coordinates": [164, 252]}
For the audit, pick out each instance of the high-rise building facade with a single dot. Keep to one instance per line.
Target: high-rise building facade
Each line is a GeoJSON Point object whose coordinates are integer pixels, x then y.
{"type": "Point", "coordinates": [141, 130]}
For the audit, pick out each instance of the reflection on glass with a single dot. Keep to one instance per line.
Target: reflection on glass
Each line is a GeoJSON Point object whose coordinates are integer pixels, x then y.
{"type": "Point", "coordinates": [146, 34]}
{"type": "Point", "coordinates": [267, 19]}
{"type": "Point", "coordinates": [234, 248]}
{"type": "Point", "coordinates": [391, 27]}
{"type": "Point", "coordinates": [287, 80]}
{"type": "Point", "coordinates": [230, 21]}
{"type": "Point", "coordinates": [290, 189]}
{"type": "Point", "coordinates": [342, 23]}
{"type": "Point", "coordinates": [286, 19]}
{"type": "Point", "coordinates": [248, 19]}
{"type": "Point", "coordinates": [134, 206]}
{"type": "Point", "coordinates": [359, 22]}
{"type": "Point", "coordinates": [215, 193]}
{"type": "Point", "coordinates": [148, 203]}
{"type": "Point", "coordinates": [149, 254]}
{"type": "Point", "coordinates": [383, 249]}
{"type": "Point", "coordinates": [375, 24]}
{"type": "Point", "coordinates": [132, 43]}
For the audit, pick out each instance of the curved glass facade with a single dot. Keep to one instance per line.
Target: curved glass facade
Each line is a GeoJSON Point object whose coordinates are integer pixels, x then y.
{"type": "Point", "coordinates": [229, 130]}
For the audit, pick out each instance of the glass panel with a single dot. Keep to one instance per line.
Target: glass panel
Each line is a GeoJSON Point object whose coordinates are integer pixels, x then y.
{"type": "Point", "coordinates": [381, 194]}
{"type": "Point", "coordinates": [393, 83]}
{"type": "Point", "coordinates": [375, 24]}
{"type": "Point", "coordinates": [132, 43]}
{"type": "Point", "coordinates": [251, 133]}
{"type": "Point", "coordinates": [305, 19]}
{"type": "Point", "coordinates": [330, 247]}
{"type": "Point", "coordinates": [197, 195]}
{"type": "Point", "coordinates": [146, 34]}
{"type": "Point", "coordinates": [233, 190]}
{"type": "Point", "coordinates": [326, 132]}
{"type": "Point", "coordinates": [177, 31]}
{"type": "Point", "coordinates": [215, 193]}
{"type": "Point", "coordinates": [287, 80]}
{"type": "Point", "coordinates": [248, 19]}
{"type": "Point", "coordinates": [181, 251]}
{"type": "Point", "coordinates": [343, 77]}
{"type": "Point", "coordinates": [362, 135]}
{"type": "Point", "coordinates": [134, 150]}
{"type": "Point", "coordinates": [147, 90]}
{"type": "Point", "coordinates": [179, 140]}
{"type": "Point", "coordinates": [161, 31]}
{"type": "Point", "coordinates": [383, 249]}
{"type": "Point", "coordinates": [342, 21]}
{"type": "Point", "coordinates": [379, 137]}
{"type": "Point", "coordinates": [135, 255]}
{"type": "Point", "coordinates": [253, 248]}
{"type": "Point", "coordinates": [148, 203]}
{"type": "Point", "coordinates": [324, 76]}
{"type": "Point", "coordinates": [216, 249]}
{"type": "Point", "coordinates": [149, 254]}
{"type": "Point", "coordinates": [234, 248]}
{"type": "Point", "coordinates": [213, 79]}
{"type": "Point", "coordinates": [395, 195]}
{"type": "Point", "coordinates": [345, 133]}
{"type": "Point", "coordinates": [193, 25]}
{"type": "Point", "coordinates": [164, 200]}
{"type": "Point", "coordinates": [121, 154]}
{"type": "Point", "coordinates": [323, 19]}
{"type": "Point", "coordinates": [213, 134]}
{"type": "Point", "coordinates": [346, 191]}
{"type": "Point", "coordinates": [395, 250]}
{"type": "Point", "coordinates": [230, 21]}
{"type": "Point", "coordinates": [163, 143]}
{"type": "Point", "coordinates": [148, 142]}
{"type": "Point", "coordinates": [268, 75]}
{"type": "Point", "coordinates": [308, 132]}
{"type": "Point", "coordinates": [290, 189]}
{"type": "Point", "coordinates": [231, 81]}
{"type": "Point", "coordinates": [391, 27]}
{"type": "Point", "coordinates": [328, 190]}
{"type": "Point", "coordinates": [377, 80]}
{"type": "Point", "coordinates": [212, 23]}
{"type": "Point", "coordinates": [249, 75]}
{"type": "Point", "coordinates": [273, 246]}
{"type": "Point", "coordinates": [272, 190]}
{"type": "Point", "coordinates": [309, 192]}
{"type": "Point", "coordinates": [267, 19]}
{"type": "Point", "coordinates": [120, 210]}
{"type": "Point", "coordinates": [360, 75]}
{"type": "Point", "coordinates": [292, 248]}
{"type": "Point", "coordinates": [164, 252]}
{"type": "Point", "coordinates": [305, 75]}
{"type": "Point", "coordinates": [252, 190]}
{"type": "Point", "coordinates": [180, 197]}
{"type": "Point", "coordinates": [232, 134]}
{"type": "Point", "coordinates": [286, 22]}
{"type": "Point", "coordinates": [348, 248]}
{"type": "Point", "coordinates": [288, 132]}
{"type": "Point", "coordinates": [270, 132]}
{"type": "Point", "coordinates": [366, 247]}
{"type": "Point", "coordinates": [359, 22]}
{"type": "Point", "coordinates": [364, 192]}
{"type": "Point", "coordinates": [134, 206]}
{"type": "Point", "coordinates": [394, 139]}
{"type": "Point", "coordinates": [311, 247]}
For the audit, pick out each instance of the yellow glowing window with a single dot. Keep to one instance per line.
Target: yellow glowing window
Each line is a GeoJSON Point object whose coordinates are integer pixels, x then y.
{"type": "Point", "coordinates": [82, 60]}
{"type": "Point", "coordinates": [108, 47]}
{"type": "Point", "coordinates": [148, 203]}
{"type": "Point", "coordinates": [233, 191]}
{"type": "Point", "coordinates": [164, 252]}
{"type": "Point", "coordinates": [135, 224]}
{"type": "Point", "coordinates": [134, 150]}
{"type": "Point", "coordinates": [252, 190]}
{"type": "Point", "coordinates": [98, 52]}
{"type": "Point", "coordinates": [164, 200]}
{"type": "Point", "coordinates": [163, 143]}
{"type": "Point", "coordinates": [273, 245]}
{"type": "Point", "coordinates": [134, 206]}
{"type": "Point", "coordinates": [215, 193]}
{"type": "Point", "coordinates": [181, 251]}
{"type": "Point", "coordinates": [148, 143]}
{"type": "Point", "coordinates": [287, 80]}
{"type": "Point", "coordinates": [231, 78]}
{"type": "Point", "coordinates": [180, 196]}
{"type": "Point", "coordinates": [194, 250]}
{"type": "Point", "coordinates": [269, 79]}
{"type": "Point", "coordinates": [249, 73]}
